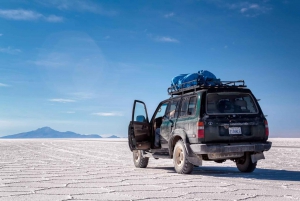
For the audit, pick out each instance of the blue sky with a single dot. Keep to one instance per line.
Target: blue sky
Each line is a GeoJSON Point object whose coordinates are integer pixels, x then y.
{"type": "Point", "coordinates": [78, 65]}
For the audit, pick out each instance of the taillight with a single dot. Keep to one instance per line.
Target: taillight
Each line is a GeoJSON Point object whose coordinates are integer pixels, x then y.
{"type": "Point", "coordinates": [266, 128]}
{"type": "Point", "coordinates": [200, 129]}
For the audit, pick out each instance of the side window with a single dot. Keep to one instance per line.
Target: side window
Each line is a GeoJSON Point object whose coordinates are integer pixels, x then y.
{"type": "Point", "coordinates": [192, 106]}
{"type": "Point", "coordinates": [184, 107]}
{"type": "Point", "coordinates": [173, 109]}
{"type": "Point", "coordinates": [162, 110]}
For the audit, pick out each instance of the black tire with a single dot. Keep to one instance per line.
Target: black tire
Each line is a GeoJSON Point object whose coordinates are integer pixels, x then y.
{"type": "Point", "coordinates": [181, 164]}
{"type": "Point", "coordinates": [245, 164]}
{"type": "Point", "coordinates": [138, 159]}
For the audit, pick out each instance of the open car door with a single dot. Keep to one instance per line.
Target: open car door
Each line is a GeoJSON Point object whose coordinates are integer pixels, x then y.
{"type": "Point", "coordinates": [139, 128]}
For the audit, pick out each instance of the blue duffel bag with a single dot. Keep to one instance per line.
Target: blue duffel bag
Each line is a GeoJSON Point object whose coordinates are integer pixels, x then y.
{"type": "Point", "coordinates": [203, 77]}
{"type": "Point", "coordinates": [189, 80]}
{"type": "Point", "coordinates": [176, 80]}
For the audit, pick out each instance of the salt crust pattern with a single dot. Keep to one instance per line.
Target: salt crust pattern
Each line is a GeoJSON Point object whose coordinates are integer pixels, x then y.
{"type": "Point", "coordinates": [97, 169]}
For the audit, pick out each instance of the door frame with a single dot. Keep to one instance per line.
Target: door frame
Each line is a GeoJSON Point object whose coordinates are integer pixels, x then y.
{"type": "Point", "coordinates": [139, 132]}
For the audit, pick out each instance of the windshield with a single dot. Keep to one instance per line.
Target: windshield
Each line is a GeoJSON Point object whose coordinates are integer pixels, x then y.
{"type": "Point", "coordinates": [230, 103]}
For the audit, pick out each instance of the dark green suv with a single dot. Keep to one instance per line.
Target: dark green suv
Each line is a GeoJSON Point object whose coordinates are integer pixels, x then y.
{"type": "Point", "coordinates": [201, 123]}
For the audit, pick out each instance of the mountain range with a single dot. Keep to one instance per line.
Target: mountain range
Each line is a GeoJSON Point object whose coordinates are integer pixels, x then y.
{"type": "Point", "coordinates": [47, 132]}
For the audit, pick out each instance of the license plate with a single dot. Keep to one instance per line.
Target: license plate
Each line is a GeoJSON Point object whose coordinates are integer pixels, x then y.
{"type": "Point", "coordinates": [235, 130]}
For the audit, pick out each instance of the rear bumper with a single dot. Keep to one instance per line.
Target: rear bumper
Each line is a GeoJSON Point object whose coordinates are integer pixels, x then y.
{"type": "Point", "coordinates": [238, 147]}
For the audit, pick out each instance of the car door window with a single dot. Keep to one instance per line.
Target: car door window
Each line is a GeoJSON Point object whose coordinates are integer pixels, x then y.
{"type": "Point", "coordinates": [162, 110]}
{"type": "Point", "coordinates": [172, 111]}
{"type": "Point", "coordinates": [140, 114]}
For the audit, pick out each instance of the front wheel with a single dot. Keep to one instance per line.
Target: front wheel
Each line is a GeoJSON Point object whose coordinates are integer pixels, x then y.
{"type": "Point", "coordinates": [181, 164]}
{"type": "Point", "coordinates": [245, 163]}
{"type": "Point", "coordinates": [139, 160]}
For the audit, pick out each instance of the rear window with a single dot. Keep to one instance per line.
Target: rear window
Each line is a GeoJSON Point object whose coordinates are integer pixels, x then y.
{"type": "Point", "coordinates": [230, 103]}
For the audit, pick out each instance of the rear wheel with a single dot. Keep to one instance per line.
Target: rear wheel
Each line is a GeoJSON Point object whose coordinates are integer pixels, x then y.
{"type": "Point", "coordinates": [139, 160]}
{"type": "Point", "coordinates": [181, 164]}
{"type": "Point", "coordinates": [245, 164]}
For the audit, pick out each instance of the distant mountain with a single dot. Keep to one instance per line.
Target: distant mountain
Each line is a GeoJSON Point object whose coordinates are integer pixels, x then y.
{"type": "Point", "coordinates": [47, 132]}
{"type": "Point", "coordinates": [113, 136]}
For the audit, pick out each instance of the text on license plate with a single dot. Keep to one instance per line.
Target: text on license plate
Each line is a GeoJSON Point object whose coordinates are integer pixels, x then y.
{"type": "Point", "coordinates": [235, 130]}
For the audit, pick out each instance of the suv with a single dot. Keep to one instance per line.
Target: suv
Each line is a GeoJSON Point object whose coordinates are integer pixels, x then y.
{"type": "Point", "coordinates": [199, 123]}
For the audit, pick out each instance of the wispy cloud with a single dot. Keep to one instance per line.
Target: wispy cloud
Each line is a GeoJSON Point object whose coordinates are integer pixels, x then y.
{"type": "Point", "coordinates": [70, 112]}
{"type": "Point", "coordinates": [252, 10]}
{"type": "Point", "coordinates": [54, 18]}
{"type": "Point", "coordinates": [61, 100]}
{"type": "Point", "coordinates": [249, 7]}
{"type": "Point", "coordinates": [27, 15]}
{"type": "Point", "coordinates": [54, 59]}
{"type": "Point", "coordinates": [82, 95]}
{"type": "Point", "coordinates": [166, 39]}
{"type": "Point", "coordinates": [48, 63]}
{"type": "Point", "coordinates": [107, 114]}
{"type": "Point", "coordinates": [79, 5]}
{"type": "Point", "coordinates": [246, 8]}
{"type": "Point", "coordinates": [20, 14]}
{"type": "Point", "coordinates": [10, 50]}
{"type": "Point", "coordinates": [3, 85]}
{"type": "Point", "coordinates": [169, 15]}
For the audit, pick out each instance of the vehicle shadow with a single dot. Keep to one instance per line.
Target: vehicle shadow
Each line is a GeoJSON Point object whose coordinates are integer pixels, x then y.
{"type": "Point", "coordinates": [259, 173]}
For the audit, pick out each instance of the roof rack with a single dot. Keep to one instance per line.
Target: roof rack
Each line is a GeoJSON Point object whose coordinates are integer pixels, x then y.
{"type": "Point", "coordinates": [195, 85]}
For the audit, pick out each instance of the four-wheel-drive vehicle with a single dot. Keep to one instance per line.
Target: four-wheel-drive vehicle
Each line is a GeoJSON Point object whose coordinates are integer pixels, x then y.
{"type": "Point", "coordinates": [199, 123]}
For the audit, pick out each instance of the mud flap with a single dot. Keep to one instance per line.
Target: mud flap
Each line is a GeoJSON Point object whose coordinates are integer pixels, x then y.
{"type": "Point", "coordinates": [257, 156]}
{"type": "Point", "coordinates": [192, 157]}
{"type": "Point", "coordinates": [195, 160]}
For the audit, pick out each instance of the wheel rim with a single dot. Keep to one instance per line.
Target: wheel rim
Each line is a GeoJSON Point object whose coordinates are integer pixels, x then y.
{"type": "Point", "coordinates": [136, 155]}
{"type": "Point", "coordinates": [179, 157]}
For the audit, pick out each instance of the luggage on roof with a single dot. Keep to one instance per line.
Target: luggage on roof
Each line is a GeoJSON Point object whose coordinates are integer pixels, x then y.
{"type": "Point", "coordinates": [203, 79]}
